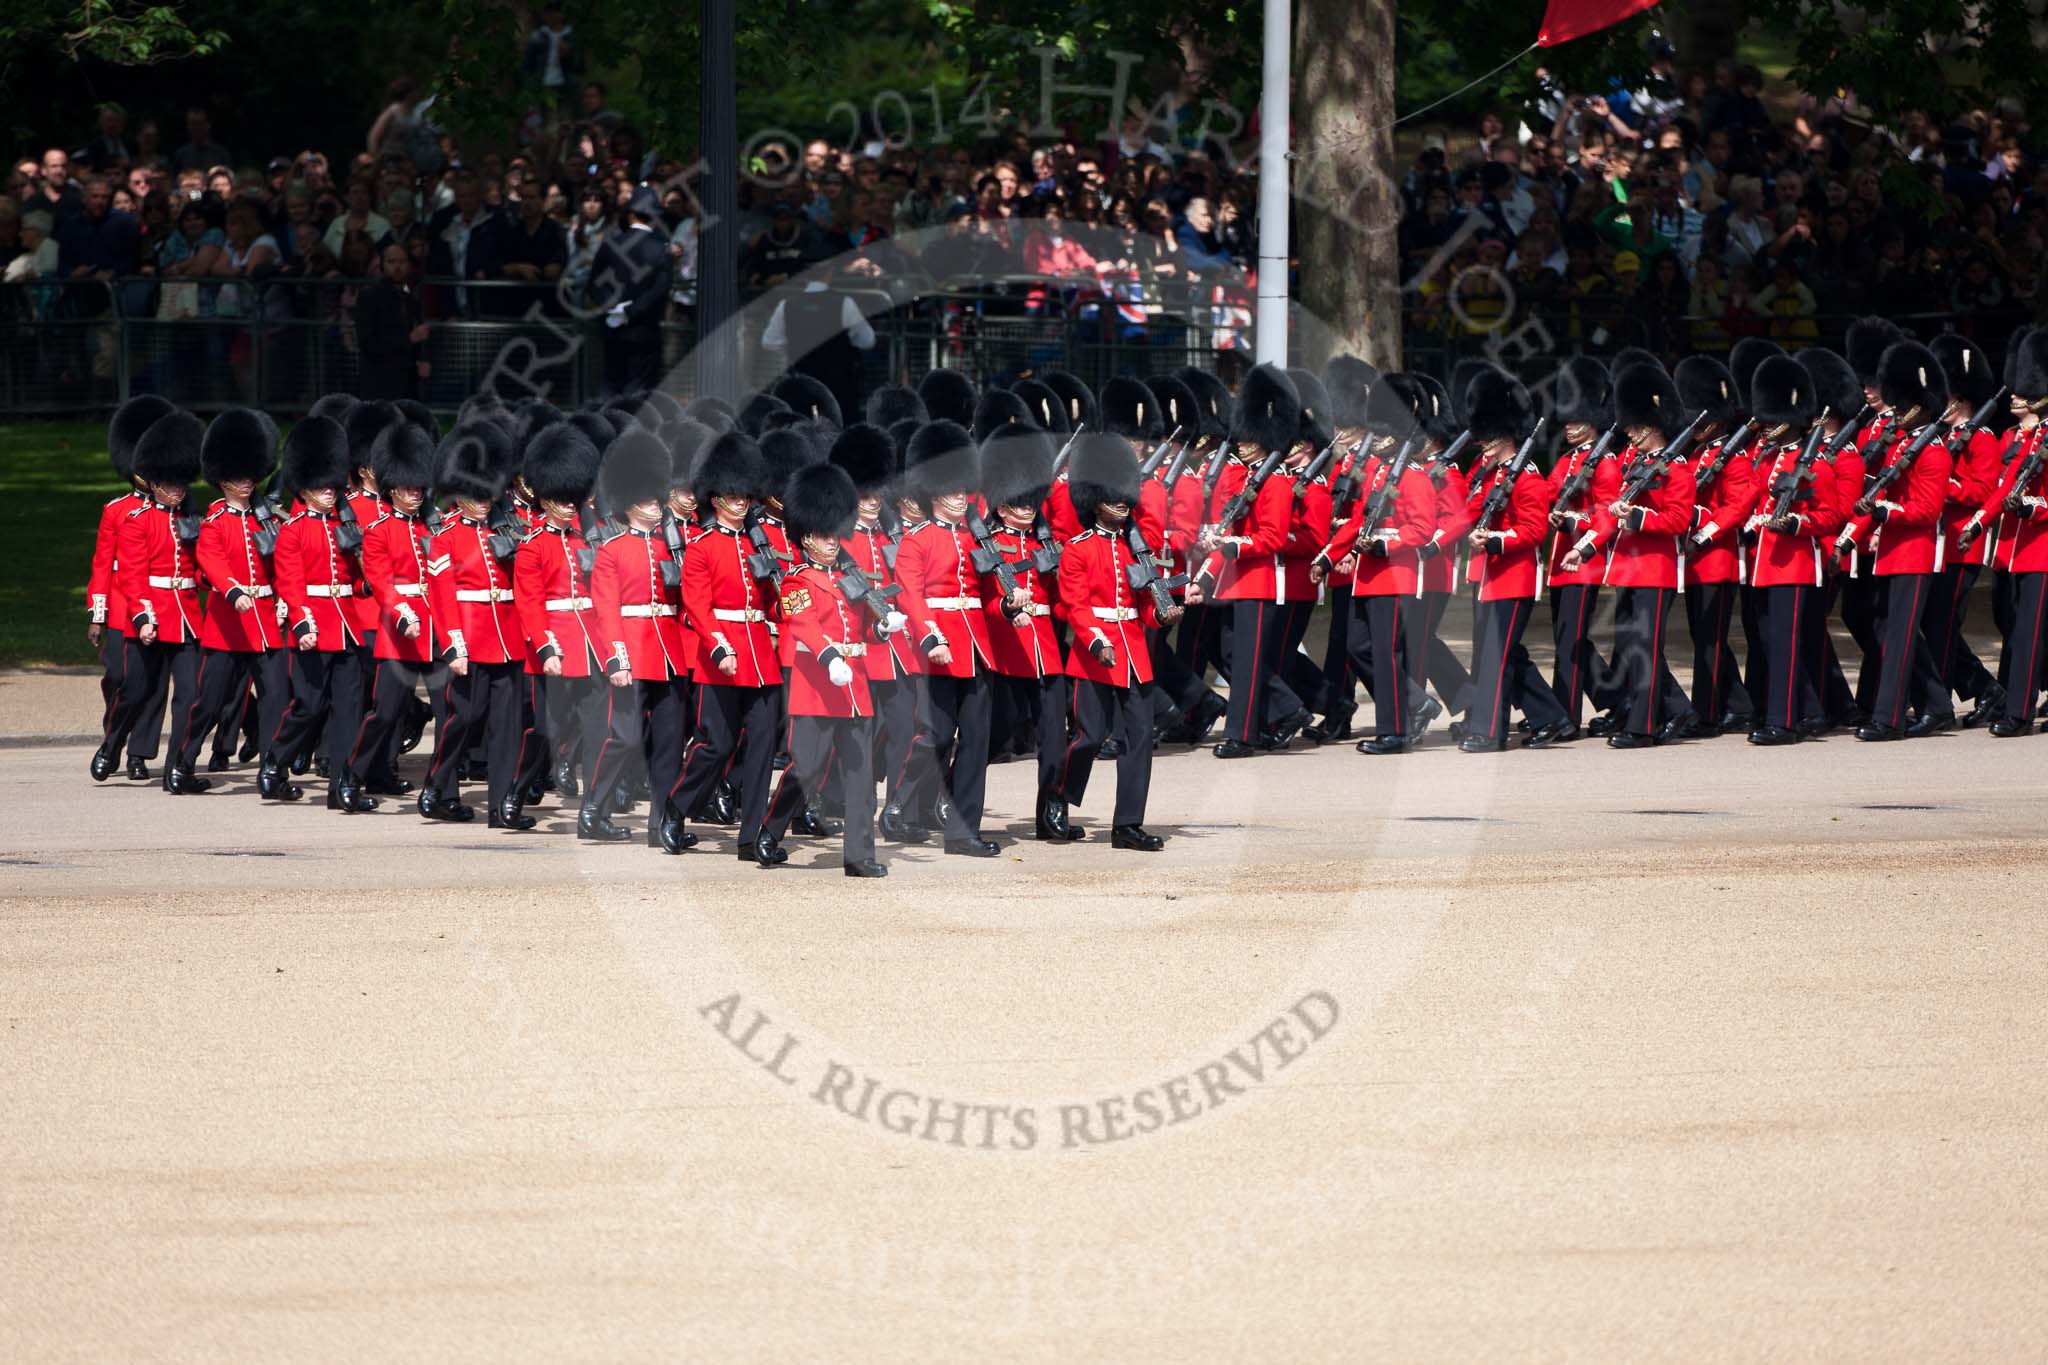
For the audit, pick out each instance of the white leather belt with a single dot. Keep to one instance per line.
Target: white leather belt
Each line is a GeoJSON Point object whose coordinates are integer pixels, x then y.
{"type": "Point", "coordinates": [1115, 613]}
{"type": "Point", "coordinates": [409, 589]}
{"type": "Point", "coordinates": [178, 584]}
{"type": "Point", "coordinates": [851, 650]}
{"type": "Point", "coordinates": [571, 604]}
{"type": "Point", "coordinates": [954, 603]}
{"type": "Point", "coordinates": [483, 595]}
{"type": "Point", "coordinates": [330, 590]}
{"type": "Point", "coordinates": [642, 609]}
{"type": "Point", "coordinates": [740, 614]}
{"type": "Point", "coordinates": [260, 590]}
{"type": "Point", "coordinates": [1038, 609]}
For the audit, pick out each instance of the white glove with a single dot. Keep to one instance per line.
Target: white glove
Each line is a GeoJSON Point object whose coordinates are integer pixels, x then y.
{"type": "Point", "coordinates": [840, 672]}
{"type": "Point", "coordinates": [615, 316]}
{"type": "Point", "coordinates": [894, 622]}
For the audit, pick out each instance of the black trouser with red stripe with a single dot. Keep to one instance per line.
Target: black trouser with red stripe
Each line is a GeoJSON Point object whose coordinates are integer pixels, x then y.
{"type": "Point", "coordinates": [326, 707]}
{"type": "Point", "coordinates": [482, 704]}
{"type": "Point", "coordinates": [1503, 674]}
{"type": "Point", "coordinates": [1640, 615]}
{"type": "Point", "coordinates": [390, 696]}
{"type": "Point", "coordinates": [895, 704]}
{"type": "Point", "coordinates": [819, 748]}
{"type": "Point", "coordinates": [1055, 704]}
{"type": "Point", "coordinates": [1905, 602]}
{"type": "Point", "coordinates": [949, 757]}
{"type": "Point", "coordinates": [1258, 694]}
{"type": "Point", "coordinates": [731, 721]}
{"type": "Point", "coordinates": [2024, 644]}
{"type": "Point", "coordinates": [145, 729]}
{"type": "Point", "coordinates": [148, 672]}
{"type": "Point", "coordinates": [1576, 669]}
{"type": "Point", "coordinates": [1434, 659]}
{"type": "Point", "coordinates": [224, 678]}
{"type": "Point", "coordinates": [1339, 684]}
{"type": "Point", "coordinates": [1377, 652]}
{"type": "Point", "coordinates": [1716, 680]}
{"type": "Point", "coordinates": [1953, 669]}
{"type": "Point", "coordinates": [1100, 709]}
{"type": "Point", "coordinates": [1862, 600]}
{"type": "Point", "coordinates": [1791, 682]}
{"type": "Point", "coordinates": [646, 721]}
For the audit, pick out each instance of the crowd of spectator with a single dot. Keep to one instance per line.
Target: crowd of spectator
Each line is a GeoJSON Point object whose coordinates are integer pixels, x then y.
{"type": "Point", "coordinates": [1682, 213]}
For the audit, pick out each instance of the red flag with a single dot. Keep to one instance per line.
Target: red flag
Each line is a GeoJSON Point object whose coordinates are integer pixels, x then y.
{"type": "Point", "coordinates": [1569, 19]}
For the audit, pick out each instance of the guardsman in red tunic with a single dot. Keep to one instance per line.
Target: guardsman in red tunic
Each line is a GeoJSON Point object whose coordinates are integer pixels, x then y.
{"type": "Point", "coordinates": [1794, 518]}
{"type": "Point", "coordinates": [318, 580]}
{"type": "Point", "coordinates": [1641, 543]}
{"type": "Point", "coordinates": [107, 625]}
{"type": "Point", "coordinates": [551, 578]}
{"type": "Point", "coordinates": [1724, 491]}
{"type": "Point", "coordinates": [1016, 475]}
{"type": "Point", "coordinates": [1184, 706]}
{"type": "Point", "coordinates": [476, 620]}
{"type": "Point", "coordinates": [831, 709]}
{"type": "Point", "coordinates": [1585, 409]}
{"type": "Point", "coordinates": [1308, 530]}
{"type": "Point", "coordinates": [242, 635]}
{"type": "Point", "coordinates": [2015, 518]}
{"type": "Point", "coordinates": [1506, 540]}
{"type": "Point", "coordinates": [157, 581]}
{"type": "Point", "coordinates": [1349, 382]}
{"type": "Point", "coordinates": [1382, 539]}
{"type": "Point", "coordinates": [1111, 661]}
{"type": "Point", "coordinates": [729, 597]}
{"type": "Point", "coordinates": [1242, 566]}
{"type": "Point", "coordinates": [1430, 656]}
{"type": "Point", "coordinates": [1198, 642]}
{"type": "Point", "coordinates": [636, 591]}
{"type": "Point", "coordinates": [1976, 465]}
{"type": "Point", "coordinates": [868, 456]}
{"type": "Point", "coordinates": [395, 557]}
{"type": "Point", "coordinates": [368, 424]}
{"type": "Point", "coordinates": [1860, 593]}
{"type": "Point", "coordinates": [1900, 525]}
{"type": "Point", "coordinates": [943, 595]}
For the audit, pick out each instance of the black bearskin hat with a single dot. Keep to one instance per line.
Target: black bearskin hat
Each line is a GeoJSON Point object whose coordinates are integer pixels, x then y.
{"type": "Point", "coordinates": [1016, 467]}
{"type": "Point", "coordinates": [1083, 412]}
{"type": "Point", "coordinates": [596, 430]}
{"type": "Point", "coordinates": [666, 409]}
{"type": "Point", "coordinates": [467, 468]}
{"type": "Point", "coordinates": [1704, 385]}
{"type": "Point", "coordinates": [809, 398]}
{"type": "Point", "coordinates": [1397, 406]}
{"type": "Point", "coordinates": [1317, 425]}
{"type": "Point", "coordinates": [892, 403]}
{"type": "Point", "coordinates": [1497, 407]}
{"type": "Point", "coordinates": [783, 453]}
{"type": "Point", "coordinates": [715, 413]}
{"type": "Point", "coordinates": [1103, 468]}
{"type": "Point", "coordinates": [1748, 353]}
{"type": "Point", "coordinates": [335, 405]}
{"type": "Point", "coordinates": [403, 457]}
{"type": "Point", "coordinates": [316, 455]}
{"type": "Point", "coordinates": [1864, 344]}
{"type": "Point", "coordinates": [1645, 396]}
{"type": "Point", "coordinates": [241, 443]}
{"type": "Point", "coordinates": [941, 459]}
{"type": "Point", "coordinates": [686, 440]}
{"type": "Point", "coordinates": [422, 416]}
{"type": "Point", "coordinates": [362, 424]}
{"type": "Point", "coordinates": [867, 455]}
{"type": "Point", "coordinates": [1129, 410]}
{"type": "Point", "coordinates": [1350, 382]}
{"type": "Point", "coordinates": [999, 408]}
{"type": "Point", "coordinates": [1585, 393]}
{"type": "Point", "coordinates": [635, 470]}
{"type": "Point", "coordinates": [1177, 406]}
{"type": "Point", "coordinates": [1835, 385]}
{"type": "Point", "coordinates": [130, 420]}
{"type": "Point", "coordinates": [1783, 393]}
{"type": "Point", "coordinates": [1048, 413]}
{"type": "Point", "coordinates": [758, 408]}
{"type": "Point", "coordinates": [1442, 424]}
{"type": "Point", "coordinates": [2027, 368]}
{"type": "Point", "coordinates": [1212, 401]}
{"type": "Point", "coordinates": [1628, 357]}
{"type": "Point", "coordinates": [731, 467]}
{"type": "Point", "coordinates": [169, 451]}
{"type": "Point", "coordinates": [819, 501]}
{"type": "Point", "coordinates": [948, 396]}
{"type": "Point", "coordinates": [1909, 376]}
{"type": "Point", "coordinates": [560, 465]}
{"type": "Point", "coordinates": [1968, 369]}
{"type": "Point", "coordinates": [1268, 410]}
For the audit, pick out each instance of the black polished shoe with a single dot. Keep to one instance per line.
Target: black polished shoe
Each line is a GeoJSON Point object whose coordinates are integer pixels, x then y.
{"type": "Point", "coordinates": [138, 770]}
{"type": "Point", "coordinates": [1334, 726]}
{"type": "Point", "coordinates": [1990, 707]}
{"type": "Point", "coordinates": [666, 833]}
{"type": "Point", "coordinates": [1297, 724]}
{"type": "Point", "coordinates": [1459, 731]}
{"type": "Point", "coordinates": [220, 763]}
{"type": "Point", "coordinates": [1768, 736]}
{"type": "Point", "coordinates": [389, 787]}
{"type": "Point", "coordinates": [412, 724]}
{"type": "Point", "coordinates": [565, 781]}
{"type": "Point", "coordinates": [1234, 748]}
{"type": "Point", "coordinates": [535, 793]}
{"type": "Point", "coordinates": [973, 848]}
{"type": "Point", "coordinates": [1680, 727]}
{"type": "Point", "coordinates": [595, 825]}
{"type": "Point", "coordinates": [893, 826]}
{"type": "Point", "coordinates": [1111, 748]}
{"type": "Point", "coordinates": [2005, 727]}
{"type": "Point", "coordinates": [249, 750]}
{"type": "Point", "coordinates": [179, 781]}
{"type": "Point", "coordinates": [1879, 734]}
{"type": "Point", "coordinates": [272, 785]}
{"type": "Point", "coordinates": [321, 768]}
{"type": "Point", "coordinates": [434, 807]}
{"type": "Point", "coordinates": [104, 761]}
{"type": "Point", "coordinates": [1550, 736]}
{"type": "Point", "coordinates": [1931, 724]}
{"type": "Point", "coordinates": [1813, 727]}
{"type": "Point", "coordinates": [1424, 715]}
{"type": "Point", "coordinates": [811, 825]}
{"type": "Point", "coordinates": [1210, 709]}
{"type": "Point", "coordinates": [1480, 744]}
{"type": "Point", "coordinates": [1629, 739]}
{"type": "Point", "coordinates": [764, 851]}
{"type": "Point", "coordinates": [508, 815]}
{"type": "Point", "coordinates": [724, 806]}
{"type": "Point", "coordinates": [779, 762]}
{"type": "Point", "coordinates": [1136, 838]}
{"type": "Point", "coordinates": [1386, 744]}
{"type": "Point", "coordinates": [1051, 822]}
{"type": "Point", "coordinates": [344, 795]}
{"type": "Point", "coordinates": [867, 867]}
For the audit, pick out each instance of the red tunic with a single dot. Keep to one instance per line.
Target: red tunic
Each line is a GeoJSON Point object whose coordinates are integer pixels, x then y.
{"type": "Point", "coordinates": [867, 548]}
{"type": "Point", "coordinates": [727, 610]}
{"type": "Point", "coordinates": [1508, 568]}
{"type": "Point", "coordinates": [1095, 585]}
{"type": "Point", "coordinates": [944, 597]}
{"type": "Point", "coordinates": [369, 509]}
{"type": "Point", "coordinates": [1644, 553]}
{"type": "Point", "coordinates": [1250, 566]}
{"type": "Point", "coordinates": [1033, 652]}
{"type": "Point", "coordinates": [155, 575]}
{"type": "Point", "coordinates": [636, 615]}
{"type": "Point", "coordinates": [1795, 557]}
{"type": "Point", "coordinates": [1909, 540]}
{"type": "Point", "coordinates": [319, 582]}
{"type": "Point", "coordinates": [1579, 517]}
{"type": "Point", "coordinates": [470, 592]}
{"type": "Point", "coordinates": [1308, 531]}
{"type": "Point", "coordinates": [1972, 476]}
{"type": "Point", "coordinates": [104, 603]}
{"type": "Point", "coordinates": [233, 570]}
{"type": "Point", "coordinates": [552, 590]}
{"type": "Point", "coordinates": [1412, 518]}
{"type": "Point", "coordinates": [1720, 519]}
{"type": "Point", "coordinates": [395, 570]}
{"type": "Point", "coordinates": [821, 627]}
{"type": "Point", "coordinates": [2022, 536]}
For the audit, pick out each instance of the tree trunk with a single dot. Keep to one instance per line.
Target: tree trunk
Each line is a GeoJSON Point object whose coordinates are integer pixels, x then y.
{"type": "Point", "coordinates": [1347, 206]}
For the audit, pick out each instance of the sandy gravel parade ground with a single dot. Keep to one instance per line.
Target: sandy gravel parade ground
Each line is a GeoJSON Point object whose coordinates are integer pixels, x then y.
{"type": "Point", "coordinates": [1701, 1053]}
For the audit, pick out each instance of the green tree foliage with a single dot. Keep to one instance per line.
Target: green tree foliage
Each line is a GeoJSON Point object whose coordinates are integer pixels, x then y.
{"type": "Point", "coordinates": [1934, 55]}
